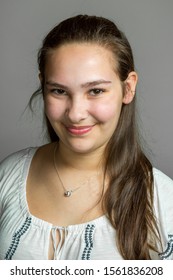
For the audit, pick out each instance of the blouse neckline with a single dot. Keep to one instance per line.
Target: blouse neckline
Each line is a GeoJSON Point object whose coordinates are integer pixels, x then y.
{"type": "Point", "coordinates": [24, 171]}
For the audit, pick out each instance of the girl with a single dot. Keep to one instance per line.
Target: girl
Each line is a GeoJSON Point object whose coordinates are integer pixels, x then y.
{"type": "Point", "coordinates": [91, 193]}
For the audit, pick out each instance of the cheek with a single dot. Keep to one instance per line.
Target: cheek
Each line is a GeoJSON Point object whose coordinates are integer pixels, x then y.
{"type": "Point", "coordinates": [52, 110]}
{"type": "Point", "coordinates": [107, 112]}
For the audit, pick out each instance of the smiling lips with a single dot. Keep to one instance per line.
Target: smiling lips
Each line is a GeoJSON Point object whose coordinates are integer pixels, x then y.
{"type": "Point", "coordinates": [79, 130]}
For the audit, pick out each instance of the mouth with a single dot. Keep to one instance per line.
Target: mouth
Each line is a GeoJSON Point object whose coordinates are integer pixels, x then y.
{"type": "Point", "coordinates": [79, 130]}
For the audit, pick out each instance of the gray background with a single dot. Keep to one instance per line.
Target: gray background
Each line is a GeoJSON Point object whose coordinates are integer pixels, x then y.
{"type": "Point", "coordinates": [149, 27]}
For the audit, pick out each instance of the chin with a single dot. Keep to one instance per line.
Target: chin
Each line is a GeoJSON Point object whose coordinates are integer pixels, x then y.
{"type": "Point", "coordinates": [80, 150]}
{"type": "Point", "coordinates": [84, 147]}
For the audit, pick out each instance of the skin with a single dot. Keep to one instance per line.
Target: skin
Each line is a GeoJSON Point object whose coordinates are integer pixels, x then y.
{"type": "Point", "coordinates": [84, 94]}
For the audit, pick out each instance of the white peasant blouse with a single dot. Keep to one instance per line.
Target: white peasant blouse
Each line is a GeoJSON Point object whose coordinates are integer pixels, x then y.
{"type": "Point", "coordinates": [26, 237]}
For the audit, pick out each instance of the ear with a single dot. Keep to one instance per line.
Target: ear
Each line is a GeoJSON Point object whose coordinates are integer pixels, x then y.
{"type": "Point", "coordinates": [41, 81]}
{"type": "Point", "coordinates": [130, 87]}
{"type": "Point", "coordinates": [40, 77]}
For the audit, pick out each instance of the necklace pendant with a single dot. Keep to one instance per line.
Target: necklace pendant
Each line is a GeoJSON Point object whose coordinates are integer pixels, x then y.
{"type": "Point", "coordinates": [67, 193]}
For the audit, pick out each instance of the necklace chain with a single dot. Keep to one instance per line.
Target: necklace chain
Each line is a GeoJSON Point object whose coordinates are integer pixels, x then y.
{"type": "Point", "coordinates": [67, 193]}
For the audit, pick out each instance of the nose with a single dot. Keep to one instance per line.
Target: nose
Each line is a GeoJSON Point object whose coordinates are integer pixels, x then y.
{"type": "Point", "coordinates": [77, 109]}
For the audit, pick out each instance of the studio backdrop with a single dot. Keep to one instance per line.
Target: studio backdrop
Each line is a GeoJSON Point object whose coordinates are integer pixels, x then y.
{"type": "Point", "coordinates": [149, 27]}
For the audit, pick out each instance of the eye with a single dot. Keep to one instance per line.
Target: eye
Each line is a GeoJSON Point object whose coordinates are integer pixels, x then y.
{"type": "Point", "coordinates": [59, 91]}
{"type": "Point", "coordinates": [96, 91]}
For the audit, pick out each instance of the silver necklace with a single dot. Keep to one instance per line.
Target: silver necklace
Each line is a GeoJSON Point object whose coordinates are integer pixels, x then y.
{"type": "Point", "coordinates": [67, 193]}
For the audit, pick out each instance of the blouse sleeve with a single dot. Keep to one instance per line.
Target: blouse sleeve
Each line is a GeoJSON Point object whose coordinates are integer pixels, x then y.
{"type": "Point", "coordinates": [6, 167]}
{"type": "Point", "coordinates": [1, 183]}
{"type": "Point", "coordinates": [9, 170]}
{"type": "Point", "coordinates": [164, 212]}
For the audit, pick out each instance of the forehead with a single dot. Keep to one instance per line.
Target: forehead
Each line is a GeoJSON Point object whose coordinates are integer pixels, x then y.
{"type": "Point", "coordinates": [73, 65]}
{"type": "Point", "coordinates": [81, 52]}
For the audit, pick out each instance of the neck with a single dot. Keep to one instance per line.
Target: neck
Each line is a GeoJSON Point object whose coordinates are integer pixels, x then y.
{"type": "Point", "coordinates": [85, 162]}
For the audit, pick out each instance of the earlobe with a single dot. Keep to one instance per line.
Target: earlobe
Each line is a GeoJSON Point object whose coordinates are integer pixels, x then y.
{"type": "Point", "coordinates": [130, 87]}
{"type": "Point", "coordinates": [128, 97]}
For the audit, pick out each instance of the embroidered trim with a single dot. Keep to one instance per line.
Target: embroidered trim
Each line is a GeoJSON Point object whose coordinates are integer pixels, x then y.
{"type": "Point", "coordinates": [169, 249]}
{"type": "Point", "coordinates": [88, 242]}
{"type": "Point", "coordinates": [16, 239]}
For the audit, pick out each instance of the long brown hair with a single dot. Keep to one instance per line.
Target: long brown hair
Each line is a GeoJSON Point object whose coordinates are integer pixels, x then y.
{"type": "Point", "coordinates": [129, 198]}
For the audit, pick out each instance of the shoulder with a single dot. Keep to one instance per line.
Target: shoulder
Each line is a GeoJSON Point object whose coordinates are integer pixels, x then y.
{"type": "Point", "coordinates": [163, 184]}
{"type": "Point", "coordinates": [19, 162]}
{"type": "Point", "coordinates": [12, 169]}
{"type": "Point", "coordinates": [163, 189]}
{"type": "Point", "coordinates": [13, 160]}
{"type": "Point", "coordinates": [163, 201]}
{"type": "Point", "coordinates": [13, 166]}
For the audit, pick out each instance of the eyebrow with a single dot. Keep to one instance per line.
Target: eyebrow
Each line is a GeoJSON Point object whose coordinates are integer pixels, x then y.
{"type": "Point", "coordinates": [95, 83]}
{"type": "Point", "coordinates": [85, 85]}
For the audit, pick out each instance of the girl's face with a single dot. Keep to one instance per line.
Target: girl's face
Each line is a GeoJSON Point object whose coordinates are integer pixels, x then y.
{"type": "Point", "coordinates": [83, 95]}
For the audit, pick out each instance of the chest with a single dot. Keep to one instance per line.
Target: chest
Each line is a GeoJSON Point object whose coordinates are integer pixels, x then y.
{"type": "Point", "coordinates": [31, 238]}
